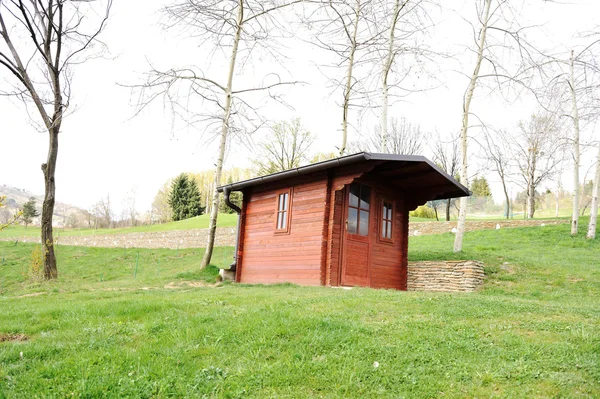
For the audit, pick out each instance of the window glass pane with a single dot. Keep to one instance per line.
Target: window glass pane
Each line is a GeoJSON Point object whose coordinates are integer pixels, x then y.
{"type": "Point", "coordinates": [352, 220]}
{"type": "Point", "coordinates": [390, 212]}
{"type": "Point", "coordinates": [285, 201]}
{"type": "Point", "coordinates": [354, 194]}
{"type": "Point", "coordinates": [278, 220]}
{"type": "Point", "coordinates": [363, 228]}
{"type": "Point", "coordinates": [384, 213]}
{"type": "Point", "coordinates": [280, 203]}
{"type": "Point", "coordinates": [365, 197]}
{"type": "Point", "coordinates": [389, 230]}
{"type": "Point", "coordinates": [383, 229]}
{"type": "Point", "coordinates": [283, 220]}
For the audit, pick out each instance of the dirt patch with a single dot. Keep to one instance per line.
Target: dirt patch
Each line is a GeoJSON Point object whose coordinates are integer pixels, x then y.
{"type": "Point", "coordinates": [32, 294]}
{"type": "Point", "coordinates": [13, 337]}
{"type": "Point", "coordinates": [194, 284]}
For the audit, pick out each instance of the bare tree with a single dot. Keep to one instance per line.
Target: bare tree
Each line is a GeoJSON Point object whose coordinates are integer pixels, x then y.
{"type": "Point", "coordinates": [347, 29]}
{"type": "Point", "coordinates": [240, 27]}
{"type": "Point", "coordinates": [286, 147]}
{"type": "Point", "coordinates": [447, 156]}
{"type": "Point", "coordinates": [402, 51]}
{"type": "Point", "coordinates": [103, 214]}
{"type": "Point", "coordinates": [591, 233]}
{"type": "Point", "coordinates": [512, 70]}
{"type": "Point", "coordinates": [41, 41]}
{"type": "Point", "coordinates": [537, 148]}
{"type": "Point", "coordinates": [128, 207]}
{"type": "Point", "coordinates": [574, 85]}
{"type": "Point", "coordinates": [402, 138]}
{"type": "Point", "coordinates": [498, 154]}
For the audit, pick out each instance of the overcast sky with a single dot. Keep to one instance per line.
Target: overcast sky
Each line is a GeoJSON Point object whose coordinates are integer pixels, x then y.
{"type": "Point", "coordinates": [104, 149]}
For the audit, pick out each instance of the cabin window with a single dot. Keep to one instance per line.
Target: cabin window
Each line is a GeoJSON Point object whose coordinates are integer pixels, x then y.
{"type": "Point", "coordinates": [358, 209]}
{"type": "Point", "coordinates": [282, 217]}
{"type": "Point", "coordinates": [387, 217]}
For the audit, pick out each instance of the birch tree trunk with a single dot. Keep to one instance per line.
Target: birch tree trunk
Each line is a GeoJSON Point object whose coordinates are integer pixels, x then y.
{"type": "Point", "coordinates": [387, 66]}
{"type": "Point", "coordinates": [348, 88]}
{"type": "Point", "coordinates": [591, 233]}
{"type": "Point", "coordinates": [212, 228]}
{"type": "Point", "coordinates": [576, 154]}
{"type": "Point", "coordinates": [462, 215]}
{"type": "Point", "coordinates": [507, 198]}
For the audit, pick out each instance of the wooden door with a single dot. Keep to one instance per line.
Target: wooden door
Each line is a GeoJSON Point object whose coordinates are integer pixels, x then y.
{"type": "Point", "coordinates": [356, 238]}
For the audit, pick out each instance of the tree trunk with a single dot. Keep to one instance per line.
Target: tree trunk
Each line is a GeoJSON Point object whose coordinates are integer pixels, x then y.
{"type": "Point", "coordinates": [386, 71]}
{"type": "Point", "coordinates": [212, 228]}
{"type": "Point", "coordinates": [576, 155]}
{"type": "Point", "coordinates": [448, 203]}
{"type": "Point", "coordinates": [462, 214]}
{"type": "Point", "coordinates": [348, 88]}
{"type": "Point", "coordinates": [507, 198]}
{"type": "Point", "coordinates": [530, 200]}
{"type": "Point", "coordinates": [49, 168]}
{"type": "Point", "coordinates": [591, 233]}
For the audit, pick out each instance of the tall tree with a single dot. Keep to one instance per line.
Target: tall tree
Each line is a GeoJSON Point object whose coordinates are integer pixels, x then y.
{"type": "Point", "coordinates": [286, 146]}
{"type": "Point", "coordinates": [498, 154]}
{"type": "Point", "coordinates": [239, 27]}
{"type": "Point", "coordinates": [507, 60]}
{"type": "Point", "coordinates": [574, 85]}
{"type": "Point", "coordinates": [178, 198]}
{"type": "Point", "coordinates": [537, 149]}
{"type": "Point", "coordinates": [347, 29]}
{"type": "Point", "coordinates": [40, 42]}
{"type": "Point", "coordinates": [402, 52]}
{"type": "Point", "coordinates": [591, 233]}
{"type": "Point", "coordinates": [447, 156]}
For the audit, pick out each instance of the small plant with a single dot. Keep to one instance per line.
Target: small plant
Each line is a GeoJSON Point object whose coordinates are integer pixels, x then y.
{"type": "Point", "coordinates": [36, 268]}
{"type": "Point", "coordinates": [423, 212]}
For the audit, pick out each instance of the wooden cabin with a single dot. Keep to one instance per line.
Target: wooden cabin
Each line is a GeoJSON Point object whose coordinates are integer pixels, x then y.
{"type": "Point", "coordinates": [340, 222]}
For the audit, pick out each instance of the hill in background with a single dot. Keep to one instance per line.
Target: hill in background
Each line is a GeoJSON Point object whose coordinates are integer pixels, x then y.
{"type": "Point", "coordinates": [16, 197]}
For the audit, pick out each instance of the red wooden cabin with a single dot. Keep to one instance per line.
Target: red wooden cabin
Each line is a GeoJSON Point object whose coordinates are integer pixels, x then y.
{"type": "Point", "coordinates": [341, 222]}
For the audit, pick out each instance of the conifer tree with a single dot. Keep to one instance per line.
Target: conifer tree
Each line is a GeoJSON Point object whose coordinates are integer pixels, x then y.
{"type": "Point", "coordinates": [29, 211]}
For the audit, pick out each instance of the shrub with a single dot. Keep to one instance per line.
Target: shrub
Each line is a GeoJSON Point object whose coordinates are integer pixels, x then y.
{"type": "Point", "coordinates": [423, 212]}
{"type": "Point", "coordinates": [36, 268]}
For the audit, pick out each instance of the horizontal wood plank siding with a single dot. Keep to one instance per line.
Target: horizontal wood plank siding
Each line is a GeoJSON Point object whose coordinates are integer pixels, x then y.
{"type": "Point", "coordinates": [295, 257]}
{"type": "Point", "coordinates": [388, 259]}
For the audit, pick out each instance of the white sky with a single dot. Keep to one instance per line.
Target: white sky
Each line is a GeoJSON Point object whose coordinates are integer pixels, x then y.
{"type": "Point", "coordinates": [103, 150]}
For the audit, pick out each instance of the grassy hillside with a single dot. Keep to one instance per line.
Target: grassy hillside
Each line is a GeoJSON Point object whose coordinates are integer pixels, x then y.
{"type": "Point", "coordinates": [199, 222]}
{"type": "Point", "coordinates": [533, 331]}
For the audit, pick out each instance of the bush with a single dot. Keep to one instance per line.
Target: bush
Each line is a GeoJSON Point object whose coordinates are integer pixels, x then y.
{"type": "Point", "coordinates": [423, 212]}
{"type": "Point", "coordinates": [36, 268]}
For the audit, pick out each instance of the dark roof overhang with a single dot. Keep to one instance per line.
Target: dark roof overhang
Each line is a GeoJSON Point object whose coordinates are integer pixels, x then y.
{"type": "Point", "coordinates": [445, 186]}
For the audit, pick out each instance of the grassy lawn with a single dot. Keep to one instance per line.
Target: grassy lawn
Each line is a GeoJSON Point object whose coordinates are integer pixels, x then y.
{"type": "Point", "coordinates": [198, 222]}
{"type": "Point", "coordinates": [532, 331]}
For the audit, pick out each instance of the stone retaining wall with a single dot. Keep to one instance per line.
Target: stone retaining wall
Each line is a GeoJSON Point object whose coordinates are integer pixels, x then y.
{"type": "Point", "coordinates": [445, 276]}
{"type": "Point", "coordinates": [173, 239]}
{"type": "Point", "coordinates": [425, 228]}
{"type": "Point", "coordinates": [196, 238]}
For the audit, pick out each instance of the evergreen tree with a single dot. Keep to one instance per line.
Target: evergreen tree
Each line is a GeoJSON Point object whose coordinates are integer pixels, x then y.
{"type": "Point", "coordinates": [29, 211]}
{"type": "Point", "coordinates": [480, 187]}
{"type": "Point", "coordinates": [178, 199]}
{"type": "Point", "coordinates": [194, 204]}
{"type": "Point", "coordinates": [185, 198]}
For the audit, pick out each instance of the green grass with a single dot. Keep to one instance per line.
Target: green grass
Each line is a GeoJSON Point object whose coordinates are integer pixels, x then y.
{"type": "Point", "coordinates": [533, 331]}
{"type": "Point", "coordinates": [198, 222]}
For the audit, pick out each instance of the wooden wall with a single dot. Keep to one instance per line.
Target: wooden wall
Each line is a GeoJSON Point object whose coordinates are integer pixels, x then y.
{"type": "Point", "coordinates": [311, 253]}
{"type": "Point", "coordinates": [270, 257]}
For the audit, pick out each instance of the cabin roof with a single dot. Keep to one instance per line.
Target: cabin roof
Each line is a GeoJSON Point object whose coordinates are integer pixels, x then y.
{"type": "Point", "coordinates": [406, 172]}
